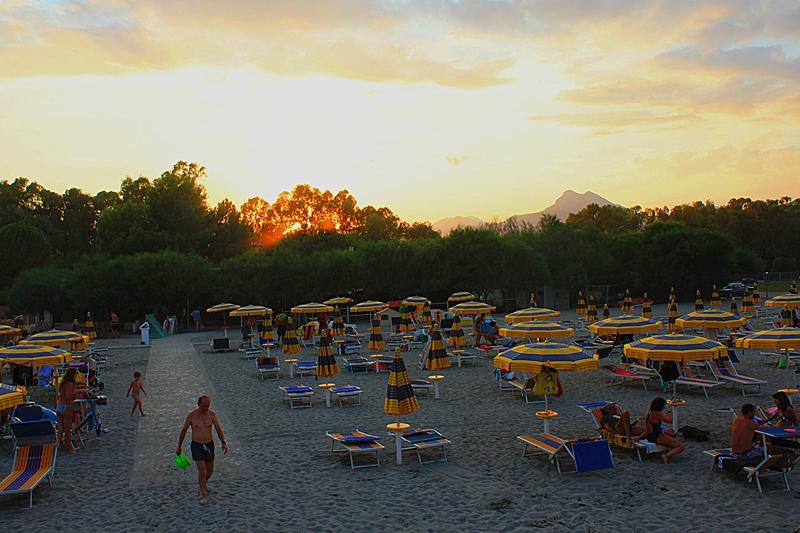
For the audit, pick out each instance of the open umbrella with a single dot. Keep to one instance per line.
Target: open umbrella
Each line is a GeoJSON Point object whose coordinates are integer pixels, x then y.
{"type": "Point", "coordinates": [711, 320]}
{"type": "Point", "coordinates": [34, 355]}
{"type": "Point", "coordinates": [580, 308]}
{"type": "Point", "coordinates": [531, 313]}
{"type": "Point", "coordinates": [370, 306]}
{"type": "Point", "coordinates": [461, 296]}
{"type": "Point", "coordinates": [247, 311]}
{"type": "Point", "coordinates": [457, 338]}
{"type": "Point", "coordinates": [790, 300]}
{"type": "Point", "coordinates": [426, 318]}
{"type": "Point", "coordinates": [416, 301]}
{"type": "Point", "coordinates": [400, 399]}
{"type": "Point", "coordinates": [773, 339]}
{"type": "Point", "coordinates": [437, 356]}
{"type": "Point", "coordinates": [627, 303]}
{"type": "Point", "coordinates": [375, 333]}
{"type": "Point", "coordinates": [536, 330]}
{"type": "Point", "coordinates": [338, 300]}
{"type": "Point", "coordinates": [472, 308]}
{"type": "Point", "coordinates": [715, 300]}
{"type": "Point", "coordinates": [672, 315]}
{"type": "Point", "coordinates": [11, 396]}
{"type": "Point", "coordinates": [591, 311]}
{"type": "Point", "coordinates": [8, 330]}
{"type": "Point", "coordinates": [647, 310]}
{"type": "Point", "coordinates": [311, 308]}
{"type": "Point", "coordinates": [291, 345]}
{"type": "Point", "coordinates": [326, 361]}
{"type": "Point", "coordinates": [606, 312]}
{"type": "Point", "coordinates": [624, 325]}
{"type": "Point", "coordinates": [756, 294]}
{"type": "Point", "coordinates": [88, 327]}
{"type": "Point", "coordinates": [698, 301]}
{"type": "Point", "coordinates": [338, 324]}
{"type": "Point", "coordinates": [747, 303]}
{"type": "Point", "coordinates": [56, 337]}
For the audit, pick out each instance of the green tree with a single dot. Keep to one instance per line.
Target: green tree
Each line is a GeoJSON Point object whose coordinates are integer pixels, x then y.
{"type": "Point", "coordinates": [26, 247]}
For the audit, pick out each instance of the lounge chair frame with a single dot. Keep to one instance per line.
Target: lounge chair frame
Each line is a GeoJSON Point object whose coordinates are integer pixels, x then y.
{"type": "Point", "coordinates": [440, 441]}
{"type": "Point", "coordinates": [771, 466]}
{"type": "Point", "coordinates": [353, 449]}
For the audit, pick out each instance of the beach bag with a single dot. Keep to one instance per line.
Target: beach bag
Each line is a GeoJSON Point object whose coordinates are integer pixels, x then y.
{"type": "Point", "coordinates": [181, 461]}
{"type": "Point", "coordinates": [546, 383]}
{"type": "Point", "coordinates": [693, 433]}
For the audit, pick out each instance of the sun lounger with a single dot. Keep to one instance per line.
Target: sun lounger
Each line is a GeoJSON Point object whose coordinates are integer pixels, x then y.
{"type": "Point", "coordinates": [525, 388]}
{"type": "Point", "coordinates": [425, 439]}
{"type": "Point", "coordinates": [420, 385]}
{"type": "Point", "coordinates": [34, 458]}
{"type": "Point", "coordinates": [772, 466]}
{"type": "Point", "coordinates": [297, 396]}
{"type": "Point", "coordinates": [251, 353]}
{"type": "Point", "coordinates": [725, 371]}
{"type": "Point", "coordinates": [348, 392]}
{"type": "Point", "coordinates": [623, 374]}
{"type": "Point", "coordinates": [268, 367]}
{"type": "Point", "coordinates": [357, 442]}
{"type": "Point", "coordinates": [587, 454]}
{"type": "Point", "coordinates": [463, 357]}
{"type": "Point", "coordinates": [306, 368]}
{"type": "Point", "coordinates": [617, 439]}
{"type": "Point", "coordinates": [686, 378]}
{"type": "Point", "coordinates": [357, 362]}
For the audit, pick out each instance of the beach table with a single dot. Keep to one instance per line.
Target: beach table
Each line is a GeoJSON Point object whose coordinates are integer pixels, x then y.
{"type": "Point", "coordinates": [463, 355]}
{"type": "Point", "coordinates": [675, 403]}
{"type": "Point", "coordinates": [291, 361]}
{"type": "Point", "coordinates": [786, 432]}
{"type": "Point", "coordinates": [436, 379]}
{"type": "Point", "coordinates": [327, 387]}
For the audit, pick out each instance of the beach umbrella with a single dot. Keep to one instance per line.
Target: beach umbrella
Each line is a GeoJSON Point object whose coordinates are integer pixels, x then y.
{"type": "Point", "coordinates": [606, 312]}
{"type": "Point", "coordinates": [531, 313]}
{"type": "Point", "coordinates": [756, 294]}
{"type": "Point", "coordinates": [672, 315]}
{"type": "Point", "coordinates": [591, 311]}
{"type": "Point", "coordinates": [472, 308]}
{"type": "Point", "coordinates": [88, 327]}
{"type": "Point", "coordinates": [250, 310]}
{"type": "Point", "coordinates": [338, 324]}
{"type": "Point", "coordinates": [291, 345]}
{"type": "Point", "coordinates": [457, 338]}
{"type": "Point", "coordinates": [624, 325]}
{"type": "Point", "coordinates": [786, 317]}
{"type": "Point", "coordinates": [326, 361]}
{"type": "Point", "coordinates": [34, 355]}
{"type": "Point", "coordinates": [375, 333]}
{"type": "Point", "coordinates": [734, 307]}
{"type": "Point", "coordinates": [747, 303]}
{"type": "Point", "coordinates": [268, 334]}
{"type": "Point", "coordinates": [8, 330]}
{"type": "Point", "coordinates": [416, 301]}
{"type": "Point", "coordinates": [462, 296]}
{"type": "Point", "coordinates": [790, 300]}
{"type": "Point", "coordinates": [715, 300]}
{"type": "Point", "coordinates": [437, 356]}
{"type": "Point", "coordinates": [400, 399]}
{"type": "Point", "coordinates": [647, 310]}
{"type": "Point", "coordinates": [627, 303]}
{"type": "Point", "coordinates": [56, 337]}
{"type": "Point", "coordinates": [675, 347]}
{"type": "Point", "coordinates": [223, 308]}
{"type": "Point", "coordinates": [711, 320]}
{"type": "Point", "coordinates": [312, 308]}
{"type": "Point", "coordinates": [784, 339]}
{"type": "Point", "coordinates": [580, 309]}
{"type": "Point", "coordinates": [11, 396]}
{"type": "Point", "coordinates": [672, 295]}
{"type": "Point", "coordinates": [405, 318]}
{"type": "Point", "coordinates": [698, 301]}
{"type": "Point", "coordinates": [426, 318]}
{"type": "Point", "coordinates": [536, 330]}
{"type": "Point", "coordinates": [369, 306]}
{"type": "Point", "coordinates": [338, 300]}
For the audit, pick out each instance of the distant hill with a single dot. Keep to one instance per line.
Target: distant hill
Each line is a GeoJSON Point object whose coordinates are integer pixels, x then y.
{"type": "Point", "coordinates": [569, 202]}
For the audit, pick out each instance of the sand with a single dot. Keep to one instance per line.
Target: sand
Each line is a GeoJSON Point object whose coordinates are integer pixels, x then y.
{"type": "Point", "coordinates": [281, 476]}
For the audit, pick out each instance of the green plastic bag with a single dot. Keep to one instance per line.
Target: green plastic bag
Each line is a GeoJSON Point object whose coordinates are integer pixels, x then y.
{"type": "Point", "coordinates": [181, 461]}
{"type": "Point", "coordinates": [782, 361]}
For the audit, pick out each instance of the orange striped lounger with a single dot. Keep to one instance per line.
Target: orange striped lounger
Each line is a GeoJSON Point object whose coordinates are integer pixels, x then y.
{"type": "Point", "coordinates": [31, 465]}
{"type": "Point", "coordinates": [357, 442]}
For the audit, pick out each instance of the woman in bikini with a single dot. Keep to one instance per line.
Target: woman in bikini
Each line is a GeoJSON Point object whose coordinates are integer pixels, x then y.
{"type": "Point", "coordinates": [665, 437]}
{"type": "Point", "coordinates": [66, 395]}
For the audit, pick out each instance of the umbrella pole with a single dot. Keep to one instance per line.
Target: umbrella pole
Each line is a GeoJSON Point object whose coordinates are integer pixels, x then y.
{"type": "Point", "coordinates": [225, 325]}
{"type": "Point", "coordinates": [674, 388]}
{"type": "Point", "coordinates": [788, 371]}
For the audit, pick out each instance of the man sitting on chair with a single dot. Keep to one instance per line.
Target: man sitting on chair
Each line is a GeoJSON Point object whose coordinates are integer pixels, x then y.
{"type": "Point", "coordinates": [616, 420]}
{"type": "Point", "coordinates": [743, 432]}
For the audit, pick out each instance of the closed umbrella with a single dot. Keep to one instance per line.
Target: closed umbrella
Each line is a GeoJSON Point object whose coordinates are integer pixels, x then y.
{"type": "Point", "coordinates": [88, 327]}
{"type": "Point", "coordinates": [461, 296]}
{"type": "Point", "coordinates": [715, 300]}
{"type": "Point", "coordinates": [437, 356]}
{"type": "Point", "coordinates": [627, 303]}
{"type": "Point", "coordinates": [647, 310]}
{"type": "Point", "coordinates": [606, 312]}
{"type": "Point", "coordinates": [400, 399]}
{"type": "Point", "coordinates": [734, 307]}
{"type": "Point", "coordinates": [426, 318]}
{"type": "Point", "coordinates": [698, 301]}
{"type": "Point", "coordinates": [472, 308]}
{"type": "Point", "coordinates": [268, 335]}
{"type": "Point", "coordinates": [591, 311]}
{"type": "Point", "coordinates": [536, 330]}
{"type": "Point", "coordinates": [672, 295]}
{"type": "Point", "coordinates": [375, 333]}
{"type": "Point", "coordinates": [338, 324]}
{"type": "Point", "coordinates": [624, 325]}
{"type": "Point", "coordinates": [291, 345]}
{"type": "Point", "coordinates": [672, 315]}
{"type": "Point", "coordinates": [786, 317]}
{"type": "Point", "coordinates": [580, 309]}
{"type": "Point", "coordinates": [457, 338]}
{"type": "Point", "coordinates": [756, 295]}
{"type": "Point", "coordinates": [405, 318]}
{"type": "Point", "coordinates": [11, 396]}
{"type": "Point", "coordinates": [711, 320]}
{"type": "Point", "coordinates": [326, 361]}
{"type": "Point", "coordinates": [531, 313]}
{"type": "Point", "coordinates": [747, 303]}
{"type": "Point", "coordinates": [773, 339]}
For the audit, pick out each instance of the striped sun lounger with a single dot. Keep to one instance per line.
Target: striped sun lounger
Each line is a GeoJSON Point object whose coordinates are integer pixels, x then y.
{"type": "Point", "coordinates": [301, 396]}
{"type": "Point", "coordinates": [425, 439]}
{"type": "Point", "coordinates": [725, 370]}
{"type": "Point", "coordinates": [357, 442]}
{"type": "Point", "coordinates": [617, 439]}
{"type": "Point", "coordinates": [34, 458]}
{"type": "Point", "coordinates": [348, 392]}
{"type": "Point", "coordinates": [587, 454]}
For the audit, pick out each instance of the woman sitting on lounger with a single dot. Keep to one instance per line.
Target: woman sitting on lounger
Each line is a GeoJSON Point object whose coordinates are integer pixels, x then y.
{"type": "Point", "coordinates": [653, 432]}
{"type": "Point", "coordinates": [784, 416]}
{"type": "Point", "coordinates": [617, 420]}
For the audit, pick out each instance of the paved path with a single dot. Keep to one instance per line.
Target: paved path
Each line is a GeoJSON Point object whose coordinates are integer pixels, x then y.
{"type": "Point", "coordinates": [174, 379]}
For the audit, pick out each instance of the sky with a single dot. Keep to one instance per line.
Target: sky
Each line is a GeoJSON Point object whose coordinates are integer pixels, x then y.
{"type": "Point", "coordinates": [433, 108]}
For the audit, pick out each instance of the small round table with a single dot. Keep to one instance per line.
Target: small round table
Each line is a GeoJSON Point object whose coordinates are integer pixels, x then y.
{"type": "Point", "coordinates": [675, 403]}
{"type": "Point", "coordinates": [398, 427]}
{"type": "Point", "coordinates": [327, 387]}
{"type": "Point", "coordinates": [789, 392]}
{"type": "Point", "coordinates": [546, 416]}
{"type": "Point", "coordinates": [376, 357]}
{"type": "Point", "coordinates": [269, 346]}
{"type": "Point", "coordinates": [436, 379]}
{"type": "Point", "coordinates": [291, 361]}
{"type": "Point", "coordinates": [458, 353]}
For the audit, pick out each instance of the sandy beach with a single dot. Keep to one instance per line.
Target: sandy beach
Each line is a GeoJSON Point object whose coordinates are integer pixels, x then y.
{"type": "Point", "coordinates": [280, 475]}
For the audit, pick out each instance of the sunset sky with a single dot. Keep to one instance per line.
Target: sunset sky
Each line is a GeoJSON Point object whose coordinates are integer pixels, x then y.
{"type": "Point", "coordinates": [434, 108]}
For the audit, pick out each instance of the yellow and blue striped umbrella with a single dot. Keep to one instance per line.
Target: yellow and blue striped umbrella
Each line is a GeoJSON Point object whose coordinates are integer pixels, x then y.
{"type": "Point", "coordinates": [34, 355]}
{"type": "Point", "coordinates": [537, 356]}
{"type": "Point", "coordinates": [715, 300]}
{"type": "Point", "coordinates": [698, 301]}
{"type": "Point", "coordinates": [88, 327]}
{"type": "Point", "coordinates": [311, 308]}
{"type": "Point", "coordinates": [786, 317]}
{"type": "Point", "coordinates": [536, 330]}
{"type": "Point", "coordinates": [531, 313]}
{"type": "Point", "coordinates": [790, 300]}
{"type": "Point", "coordinates": [338, 324]}
{"type": "Point", "coordinates": [624, 325]}
{"type": "Point", "coordinates": [672, 315]}
{"type": "Point", "coordinates": [472, 308]}
{"type": "Point", "coordinates": [580, 308]}
{"type": "Point", "coordinates": [462, 296]}
{"type": "Point", "coordinates": [591, 311]}
{"type": "Point", "coordinates": [426, 318]}
{"type": "Point", "coordinates": [756, 294]}
{"type": "Point", "coordinates": [8, 330]}
{"type": "Point", "coordinates": [710, 319]}
{"type": "Point", "coordinates": [771, 339]}
{"type": "Point", "coordinates": [457, 338]}
{"type": "Point", "coordinates": [627, 303]}
{"type": "Point", "coordinates": [54, 337]}
{"type": "Point", "coordinates": [747, 303]}
{"type": "Point", "coordinates": [734, 307]}
{"type": "Point", "coordinates": [606, 312]}
{"type": "Point", "coordinates": [222, 307]}
{"type": "Point", "coordinates": [675, 347]}
{"type": "Point", "coordinates": [251, 310]}
{"type": "Point", "coordinates": [338, 300]}
{"type": "Point", "coordinates": [291, 345]}
{"type": "Point", "coordinates": [267, 334]}
{"type": "Point", "coordinates": [326, 361]}
{"type": "Point", "coordinates": [11, 396]}
{"type": "Point", "coordinates": [375, 333]}
{"type": "Point", "coordinates": [369, 306]}
{"type": "Point", "coordinates": [400, 399]}
{"type": "Point", "coordinates": [672, 295]}
{"type": "Point", "coordinates": [647, 310]}
{"type": "Point", "coordinates": [416, 301]}
{"type": "Point", "coordinates": [437, 356]}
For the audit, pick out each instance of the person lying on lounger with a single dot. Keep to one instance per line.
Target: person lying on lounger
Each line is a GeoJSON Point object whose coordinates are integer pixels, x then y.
{"type": "Point", "coordinates": [616, 420]}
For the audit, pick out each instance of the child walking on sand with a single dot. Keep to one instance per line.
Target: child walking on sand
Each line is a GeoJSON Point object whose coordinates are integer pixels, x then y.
{"type": "Point", "coordinates": [134, 390]}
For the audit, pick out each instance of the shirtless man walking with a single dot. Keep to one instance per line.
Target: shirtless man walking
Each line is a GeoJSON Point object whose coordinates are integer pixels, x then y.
{"type": "Point", "coordinates": [202, 445]}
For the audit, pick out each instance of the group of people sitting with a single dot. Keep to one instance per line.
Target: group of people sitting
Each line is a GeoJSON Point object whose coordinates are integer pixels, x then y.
{"type": "Point", "coordinates": [617, 420]}
{"type": "Point", "coordinates": [745, 445]}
